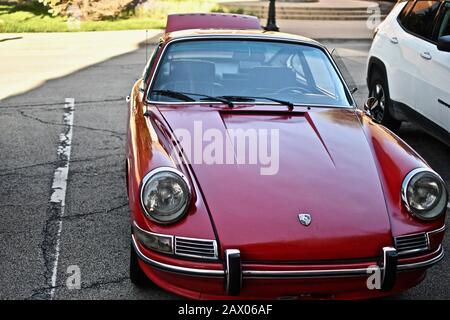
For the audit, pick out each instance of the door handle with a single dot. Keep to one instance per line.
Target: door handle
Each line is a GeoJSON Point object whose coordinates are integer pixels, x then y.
{"type": "Point", "coordinates": [426, 55]}
{"type": "Point", "coordinates": [394, 40]}
{"type": "Point", "coordinates": [444, 103]}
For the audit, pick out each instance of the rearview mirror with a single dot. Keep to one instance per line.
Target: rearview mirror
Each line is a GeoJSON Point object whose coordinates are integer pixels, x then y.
{"type": "Point", "coordinates": [444, 43]}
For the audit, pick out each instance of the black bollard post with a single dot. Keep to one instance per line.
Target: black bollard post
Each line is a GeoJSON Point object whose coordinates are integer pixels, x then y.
{"type": "Point", "coordinates": [271, 20]}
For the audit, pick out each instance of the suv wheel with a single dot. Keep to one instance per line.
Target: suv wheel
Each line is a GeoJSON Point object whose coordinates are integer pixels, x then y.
{"type": "Point", "coordinates": [379, 89]}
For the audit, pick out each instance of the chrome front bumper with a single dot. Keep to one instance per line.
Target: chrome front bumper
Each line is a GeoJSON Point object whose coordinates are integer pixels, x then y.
{"type": "Point", "coordinates": [234, 273]}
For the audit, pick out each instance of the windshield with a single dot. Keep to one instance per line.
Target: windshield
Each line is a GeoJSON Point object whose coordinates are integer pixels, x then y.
{"type": "Point", "coordinates": [297, 73]}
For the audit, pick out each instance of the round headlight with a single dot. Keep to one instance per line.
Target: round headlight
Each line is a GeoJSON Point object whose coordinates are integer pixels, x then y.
{"type": "Point", "coordinates": [165, 195]}
{"type": "Point", "coordinates": [424, 194]}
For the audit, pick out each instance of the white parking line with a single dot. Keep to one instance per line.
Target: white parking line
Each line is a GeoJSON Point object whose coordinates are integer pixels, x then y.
{"type": "Point", "coordinates": [59, 185]}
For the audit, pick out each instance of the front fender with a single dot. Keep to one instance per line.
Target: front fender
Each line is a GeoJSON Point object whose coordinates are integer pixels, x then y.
{"type": "Point", "coordinates": [150, 145]}
{"type": "Point", "coordinates": [395, 159]}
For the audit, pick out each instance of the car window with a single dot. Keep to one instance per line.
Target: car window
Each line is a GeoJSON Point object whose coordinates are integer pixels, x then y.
{"type": "Point", "coordinates": [405, 11]}
{"type": "Point", "coordinates": [298, 73]}
{"type": "Point", "coordinates": [149, 65]}
{"type": "Point", "coordinates": [297, 66]}
{"type": "Point", "coordinates": [444, 28]}
{"type": "Point", "coordinates": [321, 76]}
{"type": "Point", "coordinates": [421, 18]}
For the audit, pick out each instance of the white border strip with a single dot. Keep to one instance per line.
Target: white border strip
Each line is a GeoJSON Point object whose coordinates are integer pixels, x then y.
{"type": "Point", "coordinates": [59, 185]}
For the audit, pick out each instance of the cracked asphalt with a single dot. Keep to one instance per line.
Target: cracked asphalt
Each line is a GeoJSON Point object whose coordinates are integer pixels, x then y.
{"type": "Point", "coordinates": [95, 226]}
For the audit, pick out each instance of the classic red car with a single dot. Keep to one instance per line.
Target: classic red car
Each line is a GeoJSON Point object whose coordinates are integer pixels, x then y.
{"type": "Point", "coordinates": [251, 174]}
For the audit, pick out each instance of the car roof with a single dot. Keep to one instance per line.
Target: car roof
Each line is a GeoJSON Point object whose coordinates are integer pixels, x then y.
{"type": "Point", "coordinates": [184, 21]}
{"type": "Point", "coordinates": [234, 33]}
{"type": "Point", "coordinates": [214, 25]}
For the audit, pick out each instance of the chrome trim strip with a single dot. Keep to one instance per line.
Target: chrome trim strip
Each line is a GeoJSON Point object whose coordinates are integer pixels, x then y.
{"type": "Point", "coordinates": [266, 274]}
{"type": "Point", "coordinates": [441, 229]}
{"type": "Point", "coordinates": [176, 269]}
{"type": "Point", "coordinates": [251, 274]}
{"type": "Point", "coordinates": [423, 264]}
{"type": "Point", "coordinates": [260, 103]}
{"type": "Point", "coordinates": [306, 41]}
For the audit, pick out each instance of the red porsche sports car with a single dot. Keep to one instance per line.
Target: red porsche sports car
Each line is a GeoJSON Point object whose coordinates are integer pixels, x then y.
{"type": "Point", "coordinates": [251, 174]}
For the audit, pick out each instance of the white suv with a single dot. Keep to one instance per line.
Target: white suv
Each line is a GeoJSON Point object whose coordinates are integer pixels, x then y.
{"type": "Point", "coordinates": [408, 69]}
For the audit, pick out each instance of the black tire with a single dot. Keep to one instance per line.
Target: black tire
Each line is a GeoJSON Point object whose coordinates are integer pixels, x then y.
{"type": "Point", "coordinates": [137, 276]}
{"type": "Point", "coordinates": [379, 89]}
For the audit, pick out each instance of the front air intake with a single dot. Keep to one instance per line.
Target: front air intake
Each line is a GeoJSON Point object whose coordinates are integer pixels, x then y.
{"type": "Point", "coordinates": [412, 243]}
{"type": "Point", "coordinates": [196, 248]}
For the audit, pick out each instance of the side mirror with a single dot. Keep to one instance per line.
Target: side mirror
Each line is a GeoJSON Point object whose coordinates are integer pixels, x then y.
{"type": "Point", "coordinates": [444, 44]}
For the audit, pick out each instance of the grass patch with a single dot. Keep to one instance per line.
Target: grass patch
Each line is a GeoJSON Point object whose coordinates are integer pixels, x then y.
{"type": "Point", "coordinates": [123, 24]}
{"type": "Point", "coordinates": [151, 15]}
{"type": "Point", "coordinates": [29, 19]}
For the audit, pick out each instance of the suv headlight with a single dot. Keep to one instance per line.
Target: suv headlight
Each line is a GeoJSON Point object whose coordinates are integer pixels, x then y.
{"type": "Point", "coordinates": [165, 195]}
{"type": "Point", "coordinates": [424, 194]}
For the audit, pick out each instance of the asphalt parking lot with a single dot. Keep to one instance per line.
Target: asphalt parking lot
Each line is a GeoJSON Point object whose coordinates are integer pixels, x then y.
{"type": "Point", "coordinates": [93, 233]}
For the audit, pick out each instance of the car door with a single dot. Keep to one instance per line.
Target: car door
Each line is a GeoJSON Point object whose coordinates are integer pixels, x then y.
{"type": "Point", "coordinates": [420, 23]}
{"type": "Point", "coordinates": [438, 73]}
{"type": "Point", "coordinates": [396, 47]}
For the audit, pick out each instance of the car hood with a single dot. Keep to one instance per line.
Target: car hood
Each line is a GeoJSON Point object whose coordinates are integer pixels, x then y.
{"type": "Point", "coordinates": [326, 169]}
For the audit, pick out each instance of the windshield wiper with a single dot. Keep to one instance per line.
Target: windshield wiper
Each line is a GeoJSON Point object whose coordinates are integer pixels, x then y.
{"type": "Point", "coordinates": [174, 94]}
{"type": "Point", "coordinates": [290, 105]}
{"type": "Point", "coordinates": [186, 96]}
{"type": "Point", "coordinates": [228, 100]}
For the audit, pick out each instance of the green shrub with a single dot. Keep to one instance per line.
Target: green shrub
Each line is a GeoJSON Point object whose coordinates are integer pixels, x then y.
{"type": "Point", "coordinates": [237, 10]}
{"type": "Point", "coordinates": [159, 9]}
{"type": "Point", "coordinates": [87, 9]}
{"type": "Point", "coordinates": [220, 9]}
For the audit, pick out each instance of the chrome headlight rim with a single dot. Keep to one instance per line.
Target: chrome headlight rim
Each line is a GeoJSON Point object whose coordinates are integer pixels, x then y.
{"type": "Point", "coordinates": [150, 175]}
{"type": "Point", "coordinates": [404, 194]}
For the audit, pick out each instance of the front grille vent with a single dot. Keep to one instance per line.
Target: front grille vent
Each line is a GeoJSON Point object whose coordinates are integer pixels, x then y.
{"type": "Point", "coordinates": [411, 243]}
{"type": "Point", "coordinates": [196, 248]}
